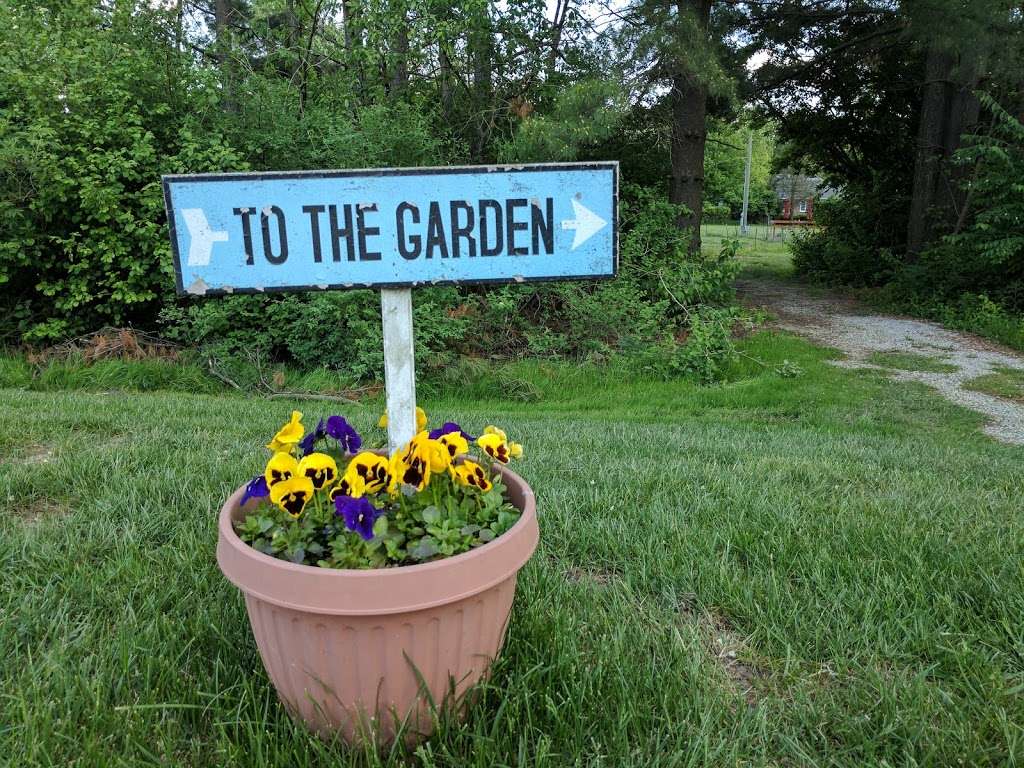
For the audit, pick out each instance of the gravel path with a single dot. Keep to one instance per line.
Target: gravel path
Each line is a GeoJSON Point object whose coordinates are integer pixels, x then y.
{"type": "Point", "coordinates": [843, 324]}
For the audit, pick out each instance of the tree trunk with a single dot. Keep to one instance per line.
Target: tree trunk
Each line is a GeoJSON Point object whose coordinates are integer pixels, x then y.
{"type": "Point", "coordinates": [400, 75]}
{"type": "Point", "coordinates": [223, 10]}
{"type": "Point", "coordinates": [689, 132]}
{"type": "Point", "coordinates": [949, 108]}
{"type": "Point", "coordinates": [481, 51]}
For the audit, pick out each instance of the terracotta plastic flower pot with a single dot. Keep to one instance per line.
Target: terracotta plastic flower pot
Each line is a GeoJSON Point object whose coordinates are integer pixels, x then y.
{"type": "Point", "coordinates": [365, 653]}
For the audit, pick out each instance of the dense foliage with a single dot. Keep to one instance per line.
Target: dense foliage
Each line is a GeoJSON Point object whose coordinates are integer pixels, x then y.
{"type": "Point", "coordinates": [98, 100]}
{"type": "Point", "coordinates": [913, 110]}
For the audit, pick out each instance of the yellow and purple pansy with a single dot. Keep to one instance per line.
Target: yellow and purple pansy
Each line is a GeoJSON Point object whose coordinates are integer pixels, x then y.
{"type": "Point", "coordinates": [320, 468]}
{"type": "Point", "coordinates": [413, 464]}
{"type": "Point", "coordinates": [281, 466]}
{"type": "Point", "coordinates": [495, 443]}
{"type": "Point", "coordinates": [471, 473]}
{"type": "Point", "coordinates": [453, 438]}
{"type": "Point", "coordinates": [349, 485]}
{"type": "Point", "coordinates": [373, 470]}
{"type": "Point", "coordinates": [292, 494]}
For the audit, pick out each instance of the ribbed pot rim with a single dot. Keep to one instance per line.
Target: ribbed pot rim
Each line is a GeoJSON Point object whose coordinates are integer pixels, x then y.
{"type": "Point", "coordinates": [379, 591]}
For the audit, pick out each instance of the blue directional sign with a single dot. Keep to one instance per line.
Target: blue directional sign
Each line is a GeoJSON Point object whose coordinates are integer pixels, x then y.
{"type": "Point", "coordinates": [310, 230]}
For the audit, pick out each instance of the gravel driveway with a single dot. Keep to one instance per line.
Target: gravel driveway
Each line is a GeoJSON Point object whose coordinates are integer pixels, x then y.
{"type": "Point", "coordinates": [838, 322]}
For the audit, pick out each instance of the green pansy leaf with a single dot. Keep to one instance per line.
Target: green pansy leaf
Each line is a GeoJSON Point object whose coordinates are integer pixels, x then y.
{"type": "Point", "coordinates": [431, 514]}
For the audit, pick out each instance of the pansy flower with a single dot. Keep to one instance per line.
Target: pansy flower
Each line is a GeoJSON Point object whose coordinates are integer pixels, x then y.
{"type": "Point", "coordinates": [342, 431]}
{"type": "Point", "coordinates": [289, 435]}
{"type": "Point", "coordinates": [495, 443]}
{"type": "Point", "coordinates": [413, 464]}
{"type": "Point", "coordinates": [373, 470]}
{"type": "Point", "coordinates": [350, 485]}
{"type": "Point", "coordinates": [308, 443]}
{"type": "Point", "coordinates": [452, 438]}
{"type": "Point", "coordinates": [320, 468]}
{"type": "Point", "coordinates": [256, 489]}
{"type": "Point", "coordinates": [292, 494]}
{"type": "Point", "coordinates": [447, 428]}
{"type": "Point", "coordinates": [280, 467]}
{"type": "Point", "coordinates": [421, 420]}
{"type": "Point", "coordinates": [471, 473]}
{"type": "Point", "coordinates": [359, 515]}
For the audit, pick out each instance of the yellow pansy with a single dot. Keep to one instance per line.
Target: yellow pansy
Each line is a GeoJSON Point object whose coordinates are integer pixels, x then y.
{"type": "Point", "coordinates": [515, 450]}
{"type": "Point", "coordinates": [454, 443]}
{"type": "Point", "coordinates": [471, 473]}
{"type": "Point", "coordinates": [421, 456]}
{"type": "Point", "coordinates": [292, 494]}
{"type": "Point", "coordinates": [349, 485]}
{"type": "Point", "coordinates": [281, 466]}
{"type": "Point", "coordinates": [498, 448]}
{"type": "Point", "coordinates": [289, 435]}
{"type": "Point", "coordinates": [421, 420]}
{"type": "Point", "coordinates": [320, 468]}
{"type": "Point", "coordinates": [373, 470]}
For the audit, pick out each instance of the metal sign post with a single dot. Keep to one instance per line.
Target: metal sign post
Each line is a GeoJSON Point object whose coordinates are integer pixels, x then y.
{"type": "Point", "coordinates": [392, 229]}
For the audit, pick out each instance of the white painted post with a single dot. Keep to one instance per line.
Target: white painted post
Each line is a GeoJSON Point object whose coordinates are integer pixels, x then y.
{"type": "Point", "coordinates": [399, 365]}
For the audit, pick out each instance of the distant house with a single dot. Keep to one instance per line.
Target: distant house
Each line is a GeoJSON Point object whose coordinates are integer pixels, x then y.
{"type": "Point", "coordinates": [797, 194]}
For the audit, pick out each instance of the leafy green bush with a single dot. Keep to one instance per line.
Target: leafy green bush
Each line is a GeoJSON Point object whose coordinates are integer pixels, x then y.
{"type": "Point", "coordinates": [87, 130]}
{"type": "Point", "coordinates": [845, 249]}
{"type": "Point", "coordinates": [666, 306]}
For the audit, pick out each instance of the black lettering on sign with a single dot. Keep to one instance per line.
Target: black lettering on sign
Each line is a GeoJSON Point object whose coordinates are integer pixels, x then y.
{"type": "Point", "coordinates": [543, 230]}
{"type": "Point", "coordinates": [435, 232]}
{"type": "Point", "coordinates": [514, 226]}
{"type": "Point", "coordinates": [245, 213]}
{"type": "Point", "coordinates": [314, 212]}
{"type": "Point", "coordinates": [499, 238]}
{"type": "Point", "coordinates": [408, 247]}
{"type": "Point", "coordinates": [282, 235]}
{"type": "Point", "coordinates": [365, 231]}
{"type": "Point", "coordinates": [459, 231]}
{"type": "Point", "coordinates": [337, 234]}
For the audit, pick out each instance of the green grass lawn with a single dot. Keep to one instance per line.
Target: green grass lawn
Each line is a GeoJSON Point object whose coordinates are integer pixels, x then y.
{"type": "Point", "coordinates": [910, 361]}
{"type": "Point", "coordinates": [761, 253]}
{"type": "Point", "coordinates": [1004, 382]}
{"type": "Point", "coordinates": [820, 570]}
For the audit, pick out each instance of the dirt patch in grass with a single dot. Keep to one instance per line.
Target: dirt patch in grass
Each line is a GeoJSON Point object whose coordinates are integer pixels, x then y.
{"type": "Point", "coordinates": [911, 361]}
{"type": "Point", "coordinates": [36, 454]}
{"type": "Point", "coordinates": [32, 512]}
{"type": "Point", "coordinates": [726, 647]}
{"type": "Point", "coordinates": [600, 577]}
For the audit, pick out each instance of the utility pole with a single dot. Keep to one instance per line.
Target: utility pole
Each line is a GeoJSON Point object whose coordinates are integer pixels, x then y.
{"type": "Point", "coordinates": [746, 183]}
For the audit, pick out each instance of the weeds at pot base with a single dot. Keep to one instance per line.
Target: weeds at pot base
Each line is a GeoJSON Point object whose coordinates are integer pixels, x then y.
{"type": "Point", "coordinates": [428, 500]}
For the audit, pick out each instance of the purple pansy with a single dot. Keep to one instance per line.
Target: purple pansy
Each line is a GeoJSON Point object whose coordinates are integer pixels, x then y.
{"type": "Point", "coordinates": [447, 428]}
{"type": "Point", "coordinates": [308, 443]}
{"type": "Point", "coordinates": [256, 489]}
{"type": "Point", "coordinates": [359, 515]}
{"type": "Point", "coordinates": [342, 431]}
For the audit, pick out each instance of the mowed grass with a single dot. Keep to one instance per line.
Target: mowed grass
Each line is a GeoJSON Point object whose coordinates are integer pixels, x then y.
{"type": "Point", "coordinates": [911, 361]}
{"type": "Point", "coordinates": [763, 252]}
{"type": "Point", "coordinates": [1003, 382]}
{"type": "Point", "coordinates": [811, 571]}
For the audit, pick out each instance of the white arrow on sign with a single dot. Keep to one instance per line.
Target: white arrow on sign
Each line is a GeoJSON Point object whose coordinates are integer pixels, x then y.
{"type": "Point", "coordinates": [202, 236]}
{"type": "Point", "coordinates": [587, 224]}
